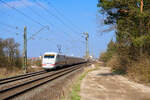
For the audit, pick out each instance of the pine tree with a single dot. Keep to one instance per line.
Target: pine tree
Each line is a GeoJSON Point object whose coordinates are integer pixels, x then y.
{"type": "Point", "coordinates": [132, 18]}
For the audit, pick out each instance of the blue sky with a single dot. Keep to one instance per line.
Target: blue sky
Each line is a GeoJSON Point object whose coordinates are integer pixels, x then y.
{"type": "Point", "coordinates": [62, 22]}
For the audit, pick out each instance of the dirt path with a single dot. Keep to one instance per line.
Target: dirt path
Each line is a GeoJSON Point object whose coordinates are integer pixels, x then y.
{"type": "Point", "coordinates": [103, 85]}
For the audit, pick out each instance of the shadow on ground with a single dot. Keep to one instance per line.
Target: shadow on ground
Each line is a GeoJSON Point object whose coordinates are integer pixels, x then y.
{"type": "Point", "coordinates": [106, 74]}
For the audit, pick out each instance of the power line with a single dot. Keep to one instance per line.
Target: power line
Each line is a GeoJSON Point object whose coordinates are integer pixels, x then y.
{"type": "Point", "coordinates": [71, 46]}
{"type": "Point", "coordinates": [62, 15]}
{"type": "Point", "coordinates": [35, 12]}
{"type": "Point", "coordinates": [72, 39]}
{"type": "Point", "coordinates": [33, 35]}
{"type": "Point", "coordinates": [10, 26]}
{"type": "Point", "coordinates": [47, 10]}
{"type": "Point", "coordinates": [33, 20]}
{"type": "Point", "coordinates": [38, 14]}
{"type": "Point", "coordinates": [24, 13]}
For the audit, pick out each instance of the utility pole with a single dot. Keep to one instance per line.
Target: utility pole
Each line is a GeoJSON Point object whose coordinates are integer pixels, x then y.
{"type": "Point", "coordinates": [87, 48]}
{"type": "Point", "coordinates": [25, 50]}
{"type": "Point", "coordinates": [59, 48]}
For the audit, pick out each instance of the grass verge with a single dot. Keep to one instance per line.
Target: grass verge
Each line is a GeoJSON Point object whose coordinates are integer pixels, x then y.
{"type": "Point", "coordinates": [76, 87]}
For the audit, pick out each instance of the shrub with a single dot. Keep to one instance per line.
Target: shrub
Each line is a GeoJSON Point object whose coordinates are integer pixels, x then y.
{"type": "Point", "coordinates": [117, 64]}
{"type": "Point", "coordinates": [140, 69]}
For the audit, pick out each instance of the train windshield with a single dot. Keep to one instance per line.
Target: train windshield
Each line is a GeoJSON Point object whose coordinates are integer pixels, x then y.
{"type": "Point", "coordinates": [49, 56]}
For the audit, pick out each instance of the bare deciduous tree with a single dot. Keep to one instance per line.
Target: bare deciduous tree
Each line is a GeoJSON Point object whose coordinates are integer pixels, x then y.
{"type": "Point", "coordinates": [9, 53]}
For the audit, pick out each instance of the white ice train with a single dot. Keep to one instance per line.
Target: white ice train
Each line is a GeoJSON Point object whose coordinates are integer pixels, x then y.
{"type": "Point", "coordinates": [53, 60]}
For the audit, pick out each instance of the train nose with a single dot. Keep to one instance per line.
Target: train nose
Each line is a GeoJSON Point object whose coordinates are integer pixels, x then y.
{"type": "Point", "coordinates": [48, 66]}
{"type": "Point", "coordinates": [43, 64]}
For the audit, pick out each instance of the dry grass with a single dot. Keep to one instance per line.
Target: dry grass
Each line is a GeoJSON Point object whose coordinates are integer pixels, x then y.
{"type": "Point", "coordinates": [75, 94]}
{"type": "Point", "coordinates": [13, 71]}
{"type": "Point", "coordinates": [4, 72]}
{"type": "Point", "coordinates": [140, 70]}
{"type": "Point", "coordinates": [34, 69]}
{"type": "Point", "coordinates": [98, 64]}
{"type": "Point", "coordinates": [114, 63]}
{"type": "Point", "coordinates": [117, 65]}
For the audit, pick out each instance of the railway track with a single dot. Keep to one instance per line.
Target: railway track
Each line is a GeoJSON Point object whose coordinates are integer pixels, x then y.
{"type": "Point", "coordinates": [12, 91]}
{"type": "Point", "coordinates": [19, 77]}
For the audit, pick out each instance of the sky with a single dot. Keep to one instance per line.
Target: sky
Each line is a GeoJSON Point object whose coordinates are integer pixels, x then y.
{"type": "Point", "coordinates": [51, 23]}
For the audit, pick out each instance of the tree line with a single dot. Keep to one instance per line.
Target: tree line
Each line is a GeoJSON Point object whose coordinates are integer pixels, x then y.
{"type": "Point", "coordinates": [130, 52]}
{"type": "Point", "coordinates": [9, 53]}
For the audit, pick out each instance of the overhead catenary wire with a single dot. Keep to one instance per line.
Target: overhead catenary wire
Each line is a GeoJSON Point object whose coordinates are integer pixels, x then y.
{"type": "Point", "coordinates": [27, 16]}
{"type": "Point", "coordinates": [39, 14]}
{"type": "Point", "coordinates": [18, 30]}
{"type": "Point", "coordinates": [37, 22]}
{"type": "Point", "coordinates": [33, 35]}
{"type": "Point", "coordinates": [11, 26]}
{"type": "Point", "coordinates": [22, 13]}
{"type": "Point", "coordinates": [58, 18]}
{"type": "Point", "coordinates": [36, 13]}
{"type": "Point", "coordinates": [55, 16]}
{"type": "Point", "coordinates": [5, 30]}
{"type": "Point", "coordinates": [62, 15]}
{"type": "Point", "coordinates": [70, 46]}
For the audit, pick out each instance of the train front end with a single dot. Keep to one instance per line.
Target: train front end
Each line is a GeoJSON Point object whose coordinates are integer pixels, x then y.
{"type": "Point", "coordinates": [48, 61]}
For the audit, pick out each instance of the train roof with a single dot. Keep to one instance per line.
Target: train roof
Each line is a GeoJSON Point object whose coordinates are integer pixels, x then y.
{"type": "Point", "coordinates": [51, 53]}
{"type": "Point", "coordinates": [60, 54]}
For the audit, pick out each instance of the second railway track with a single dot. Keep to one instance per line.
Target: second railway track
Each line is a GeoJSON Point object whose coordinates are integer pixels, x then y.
{"type": "Point", "coordinates": [17, 89]}
{"type": "Point", "coordinates": [19, 77]}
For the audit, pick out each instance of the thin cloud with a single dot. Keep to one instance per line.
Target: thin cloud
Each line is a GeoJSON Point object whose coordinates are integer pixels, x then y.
{"type": "Point", "coordinates": [19, 4]}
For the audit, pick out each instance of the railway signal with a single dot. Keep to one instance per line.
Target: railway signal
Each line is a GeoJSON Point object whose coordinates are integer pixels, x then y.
{"type": "Point", "coordinates": [87, 47]}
